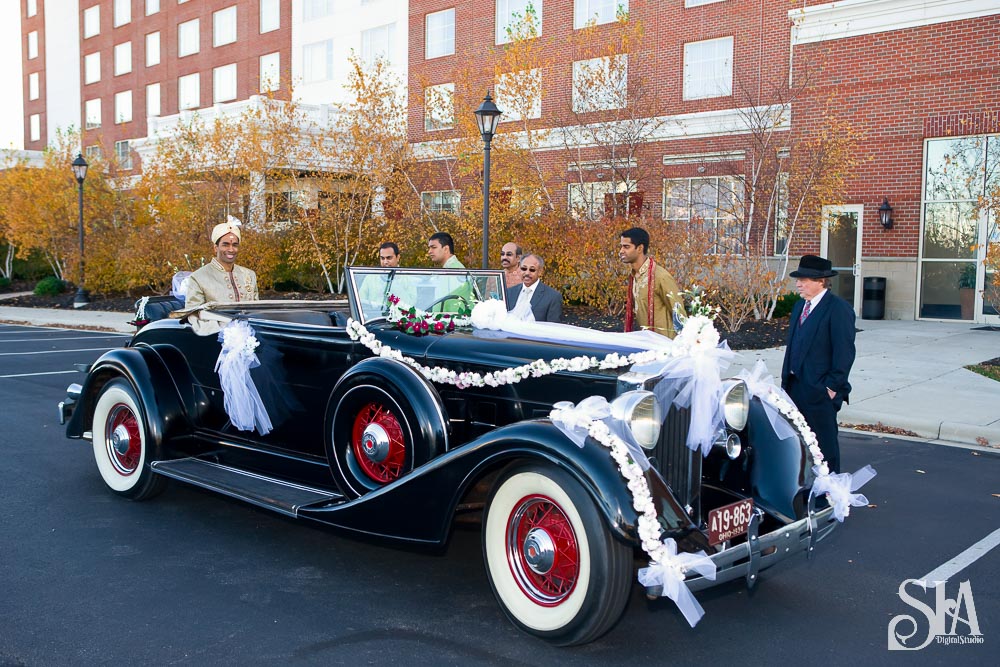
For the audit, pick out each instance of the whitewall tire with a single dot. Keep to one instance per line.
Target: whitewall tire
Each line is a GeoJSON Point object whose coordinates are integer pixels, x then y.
{"type": "Point", "coordinates": [121, 443]}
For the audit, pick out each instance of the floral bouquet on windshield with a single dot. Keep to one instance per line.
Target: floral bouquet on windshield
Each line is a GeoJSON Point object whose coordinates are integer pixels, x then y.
{"type": "Point", "coordinates": [414, 321]}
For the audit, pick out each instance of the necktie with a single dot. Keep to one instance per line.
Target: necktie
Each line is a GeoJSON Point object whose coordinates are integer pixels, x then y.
{"type": "Point", "coordinates": [805, 312]}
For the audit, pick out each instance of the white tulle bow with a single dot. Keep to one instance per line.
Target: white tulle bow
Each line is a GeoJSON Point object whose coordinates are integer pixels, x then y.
{"type": "Point", "coordinates": [489, 314]}
{"type": "Point", "coordinates": [840, 489]}
{"type": "Point", "coordinates": [760, 384]}
{"type": "Point", "coordinates": [576, 421]}
{"type": "Point", "coordinates": [668, 570]}
{"type": "Point", "coordinates": [241, 399]}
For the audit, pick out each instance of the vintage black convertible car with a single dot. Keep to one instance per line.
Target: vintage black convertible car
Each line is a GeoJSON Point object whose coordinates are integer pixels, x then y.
{"type": "Point", "coordinates": [369, 445]}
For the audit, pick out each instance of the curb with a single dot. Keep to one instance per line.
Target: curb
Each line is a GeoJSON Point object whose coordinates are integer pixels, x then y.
{"type": "Point", "coordinates": [932, 429]}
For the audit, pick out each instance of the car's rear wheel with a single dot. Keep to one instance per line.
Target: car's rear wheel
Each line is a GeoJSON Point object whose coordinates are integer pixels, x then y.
{"type": "Point", "coordinates": [554, 566]}
{"type": "Point", "coordinates": [121, 443]}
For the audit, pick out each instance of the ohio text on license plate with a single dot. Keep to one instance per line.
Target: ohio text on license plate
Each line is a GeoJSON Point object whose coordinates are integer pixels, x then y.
{"type": "Point", "coordinates": [725, 523]}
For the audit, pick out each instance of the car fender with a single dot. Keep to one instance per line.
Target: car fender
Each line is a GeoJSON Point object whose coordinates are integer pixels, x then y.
{"type": "Point", "coordinates": [414, 508]}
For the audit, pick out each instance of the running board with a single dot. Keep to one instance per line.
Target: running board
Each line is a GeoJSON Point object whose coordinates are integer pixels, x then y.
{"type": "Point", "coordinates": [267, 492]}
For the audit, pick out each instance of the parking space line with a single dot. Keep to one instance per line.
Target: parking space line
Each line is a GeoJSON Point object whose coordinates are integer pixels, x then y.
{"type": "Point", "coordinates": [44, 340]}
{"type": "Point", "coordinates": [964, 559]}
{"type": "Point", "coordinates": [86, 349]}
{"type": "Point", "coordinates": [27, 375]}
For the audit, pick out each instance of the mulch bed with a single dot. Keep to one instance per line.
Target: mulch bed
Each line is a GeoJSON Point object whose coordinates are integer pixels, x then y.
{"type": "Point", "coordinates": [751, 336]}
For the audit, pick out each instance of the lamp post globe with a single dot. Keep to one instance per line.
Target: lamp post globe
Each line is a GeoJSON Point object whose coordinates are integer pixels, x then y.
{"type": "Point", "coordinates": [79, 166]}
{"type": "Point", "coordinates": [487, 118]}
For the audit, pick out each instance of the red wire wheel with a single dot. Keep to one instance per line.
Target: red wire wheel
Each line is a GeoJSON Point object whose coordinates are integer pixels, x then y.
{"type": "Point", "coordinates": [542, 550]}
{"type": "Point", "coordinates": [378, 443]}
{"type": "Point", "coordinates": [122, 439]}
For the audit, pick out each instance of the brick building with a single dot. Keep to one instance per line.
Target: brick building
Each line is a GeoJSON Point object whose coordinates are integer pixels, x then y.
{"type": "Point", "coordinates": [918, 78]}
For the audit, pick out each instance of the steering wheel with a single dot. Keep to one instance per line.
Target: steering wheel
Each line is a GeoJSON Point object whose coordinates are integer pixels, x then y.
{"type": "Point", "coordinates": [442, 300]}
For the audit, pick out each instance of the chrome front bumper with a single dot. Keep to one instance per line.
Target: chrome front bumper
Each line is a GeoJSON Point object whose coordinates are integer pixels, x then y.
{"type": "Point", "coordinates": [760, 552]}
{"type": "Point", "coordinates": [66, 406]}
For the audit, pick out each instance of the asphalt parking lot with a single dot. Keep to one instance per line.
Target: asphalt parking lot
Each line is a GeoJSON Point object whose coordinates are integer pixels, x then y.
{"type": "Point", "coordinates": [192, 578]}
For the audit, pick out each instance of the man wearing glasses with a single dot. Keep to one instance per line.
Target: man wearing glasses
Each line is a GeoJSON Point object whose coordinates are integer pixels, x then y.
{"type": "Point", "coordinates": [532, 299]}
{"type": "Point", "coordinates": [510, 262]}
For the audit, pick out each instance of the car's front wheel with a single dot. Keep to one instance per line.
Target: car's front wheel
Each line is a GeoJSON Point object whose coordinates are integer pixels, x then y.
{"type": "Point", "coordinates": [554, 566]}
{"type": "Point", "coordinates": [121, 443]}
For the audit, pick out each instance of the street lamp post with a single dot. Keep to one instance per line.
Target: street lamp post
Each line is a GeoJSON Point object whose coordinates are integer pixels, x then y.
{"type": "Point", "coordinates": [487, 118]}
{"type": "Point", "coordinates": [80, 172]}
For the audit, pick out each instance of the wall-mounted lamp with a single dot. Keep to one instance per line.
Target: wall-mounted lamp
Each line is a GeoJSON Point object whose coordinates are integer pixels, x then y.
{"type": "Point", "coordinates": [885, 214]}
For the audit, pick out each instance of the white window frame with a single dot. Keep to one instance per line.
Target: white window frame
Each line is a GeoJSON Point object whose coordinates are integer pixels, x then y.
{"type": "Point", "coordinates": [505, 10]}
{"type": "Point", "coordinates": [188, 38]}
{"type": "Point", "coordinates": [598, 11]}
{"type": "Point", "coordinates": [123, 58]}
{"type": "Point", "coordinates": [310, 72]}
{"type": "Point", "coordinates": [93, 153]}
{"type": "Point", "coordinates": [735, 185]}
{"type": "Point", "coordinates": [439, 34]}
{"type": "Point", "coordinates": [153, 49]}
{"type": "Point", "coordinates": [781, 216]}
{"type": "Point", "coordinates": [699, 84]}
{"type": "Point", "coordinates": [270, 15]}
{"type": "Point", "coordinates": [32, 44]}
{"type": "Point", "coordinates": [439, 117]}
{"type": "Point", "coordinates": [270, 72]}
{"type": "Point", "coordinates": [92, 114]}
{"type": "Point", "coordinates": [224, 26]}
{"type": "Point", "coordinates": [511, 108]}
{"type": "Point", "coordinates": [224, 83]}
{"type": "Point", "coordinates": [698, 3]}
{"type": "Point", "coordinates": [122, 12]}
{"type": "Point", "coordinates": [152, 7]}
{"type": "Point", "coordinates": [123, 157]}
{"type": "Point", "coordinates": [316, 9]}
{"type": "Point", "coordinates": [441, 201]}
{"type": "Point", "coordinates": [92, 67]}
{"type": "Point", "coordinates": [123, 107]}
{"type": "Point", "coordinates": [614, 94]}
{"type": "Point", "coordinates": [33, 89]}
{"type": "Point", "coordinates": [586, 199]}
{"type": "Point", "coordinates": [153, 100]}
{"type": "Point", "coordinates": [91, 21]}
{"type": "Point", "coordinates": [34, 127]}
{"type": "Point", "coordinates": [378, 41]}
{"type": "Point", "coordinates": [188, 91]}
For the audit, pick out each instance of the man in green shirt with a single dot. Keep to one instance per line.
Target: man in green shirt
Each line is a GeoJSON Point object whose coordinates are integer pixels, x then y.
{"type": "Point", "coordinates": [441, 250]}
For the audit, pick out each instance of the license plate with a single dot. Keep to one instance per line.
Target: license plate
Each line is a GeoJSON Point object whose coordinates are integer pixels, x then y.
{"type": "Point", "coordinates": [725, 523]}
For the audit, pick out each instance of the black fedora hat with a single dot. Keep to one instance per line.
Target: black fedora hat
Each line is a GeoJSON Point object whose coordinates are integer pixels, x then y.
{"type": "Point", "coordinates": [813, 266]}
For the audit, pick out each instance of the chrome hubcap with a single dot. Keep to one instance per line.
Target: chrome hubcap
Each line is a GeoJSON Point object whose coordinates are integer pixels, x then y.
{"type": "Point", "coordinates": [539, 551]}
{"type": "Point", "coordinates": [120, 439]}
{"type": "Point", "coordinates": [375, 443]}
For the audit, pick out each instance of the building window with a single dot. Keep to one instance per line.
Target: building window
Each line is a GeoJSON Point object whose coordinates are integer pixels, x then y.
{"type": "Point", "coordinates": [32, 8]}
{"type": "Point", "coordinates": [600, 84]}
{"type": "Point", "coordinates": [781, 216]}
{"type": "Point", "coordinates": [93, 153]}
{"type": "Point", "coordinates": [153, 99]}
{"type": "Point", "coordinates": [316, 9]}
{"type": "Point", "coordinates": [92, 114]}
{"type": "Point", "coordinates": [597, 11]}
{"type": "Point", "coordinates": [123, 154]}
{"type": "Point", "coordinates": [519, 95]}
{"type": "Point", "coordinates": [439, 107]}
{"type": "Point", "coordinates": [91, 21]}
{"type": "Point", "coordinates": [33, 86]}
{"type": "Point", "coordinates": [123, 107]}
{"type": "Point", "coordinates": [317, 61]}
{"type": "Point", "coordinates": [439, 35]}
{"type": "Point", "coordinates": [123, 12]}
{"type": "Point", "coordinates": [714, 202]}
{"type": "Point", "coordinates": [188, 38]}
{"type": "Point", "coordinates": [270, 72]}
{"type": "Point", "coordinates": [708, 68]}
{"type": "Point", "coordinates": [152, 7]}
{"type": "Point", "coordinates": [32, 44]}
{"type": "Point", "coordinates": [92, 67]}
{"type": "Point", "coordinates": [270, 15]}
{"type": "Point", "coordinates": [224, 83]}
{"type": "Point", "coordinates": [587, 200]}
{"type": "Point", "coordinates": [377, 43]}
{"type": "Point", "coordinates": [224, 26]}
{"type": "Point", "coordinates": [152, 49]}
{"type": "Point", "coordinates": [189, 92]}
{"type": "Point", "coordinates": [441, 201]}
{"type": "Point", "coordinates": [511, 15]}
{"type": "Point", "coordinates": [34, 127]}
{"type": "Point", "coordinates": [123, 58]}
{"type": "Point", "coordinates": [699, 3]}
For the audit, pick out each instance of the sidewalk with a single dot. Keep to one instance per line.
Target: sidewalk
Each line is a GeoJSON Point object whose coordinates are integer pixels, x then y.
{"type": "Point", "coordinates": [908, 375]}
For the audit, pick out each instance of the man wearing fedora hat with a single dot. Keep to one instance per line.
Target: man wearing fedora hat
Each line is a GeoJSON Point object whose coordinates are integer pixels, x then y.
{"type": "Point", "coordinates": [819, 354]}
{"type": "Point", "coordinates": [221, 280]}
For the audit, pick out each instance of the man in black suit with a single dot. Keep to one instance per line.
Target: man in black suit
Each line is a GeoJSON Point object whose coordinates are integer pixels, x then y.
{"type": "Point", "coordinates": [532, 295]}
{"type": "Point", "coordinates": [820, 353]}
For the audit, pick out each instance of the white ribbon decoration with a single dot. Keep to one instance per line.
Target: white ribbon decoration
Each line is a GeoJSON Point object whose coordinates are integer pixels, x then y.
{"type": "Point", "coordinates": [577, 421]}
{"type": "Point", "coordinates": [668, 571]}
{"type": "Point", "coordinates": [760, 384]}
{"type": "Point", "coordinates": [840, 488]}
{"type": "Point", "coordinates": [140, 311]}
{"type": "Point", "coordinates": [241, 399]}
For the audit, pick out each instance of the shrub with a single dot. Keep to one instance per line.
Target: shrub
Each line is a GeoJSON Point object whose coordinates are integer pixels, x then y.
{"type": "Point", "coordinates": [50, 286]}
{"type": "Point", "coordinates": [785, 304]}
{"type": "Point", "coordinates": [4, 283]}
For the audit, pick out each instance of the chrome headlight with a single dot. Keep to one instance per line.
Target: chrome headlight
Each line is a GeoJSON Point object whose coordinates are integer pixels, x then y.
{"type": "Point", "coordinates": [640, 412]}
{"type": "Point", "coordinates": [736, 403]}
{"type": "Point", "coordinates": [731, 443]}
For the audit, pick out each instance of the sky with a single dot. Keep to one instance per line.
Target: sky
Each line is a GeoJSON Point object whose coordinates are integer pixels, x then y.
{"type": "Point", "coordinates": [11, 102]}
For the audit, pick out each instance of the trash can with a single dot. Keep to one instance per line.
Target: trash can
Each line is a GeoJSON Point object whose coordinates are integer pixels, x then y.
{"type": "Point", "coordinates": [873, 300]}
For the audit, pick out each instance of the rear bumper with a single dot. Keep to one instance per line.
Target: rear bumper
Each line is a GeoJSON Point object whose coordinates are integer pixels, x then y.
{"type": "Point", "coordinates": [760, 552]}
{"type": "Point", "coordinates": [66, 405]}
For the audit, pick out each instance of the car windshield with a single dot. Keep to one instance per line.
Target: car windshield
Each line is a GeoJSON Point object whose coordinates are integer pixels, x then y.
{"type": "Point", "coordinates": [433, 290]}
